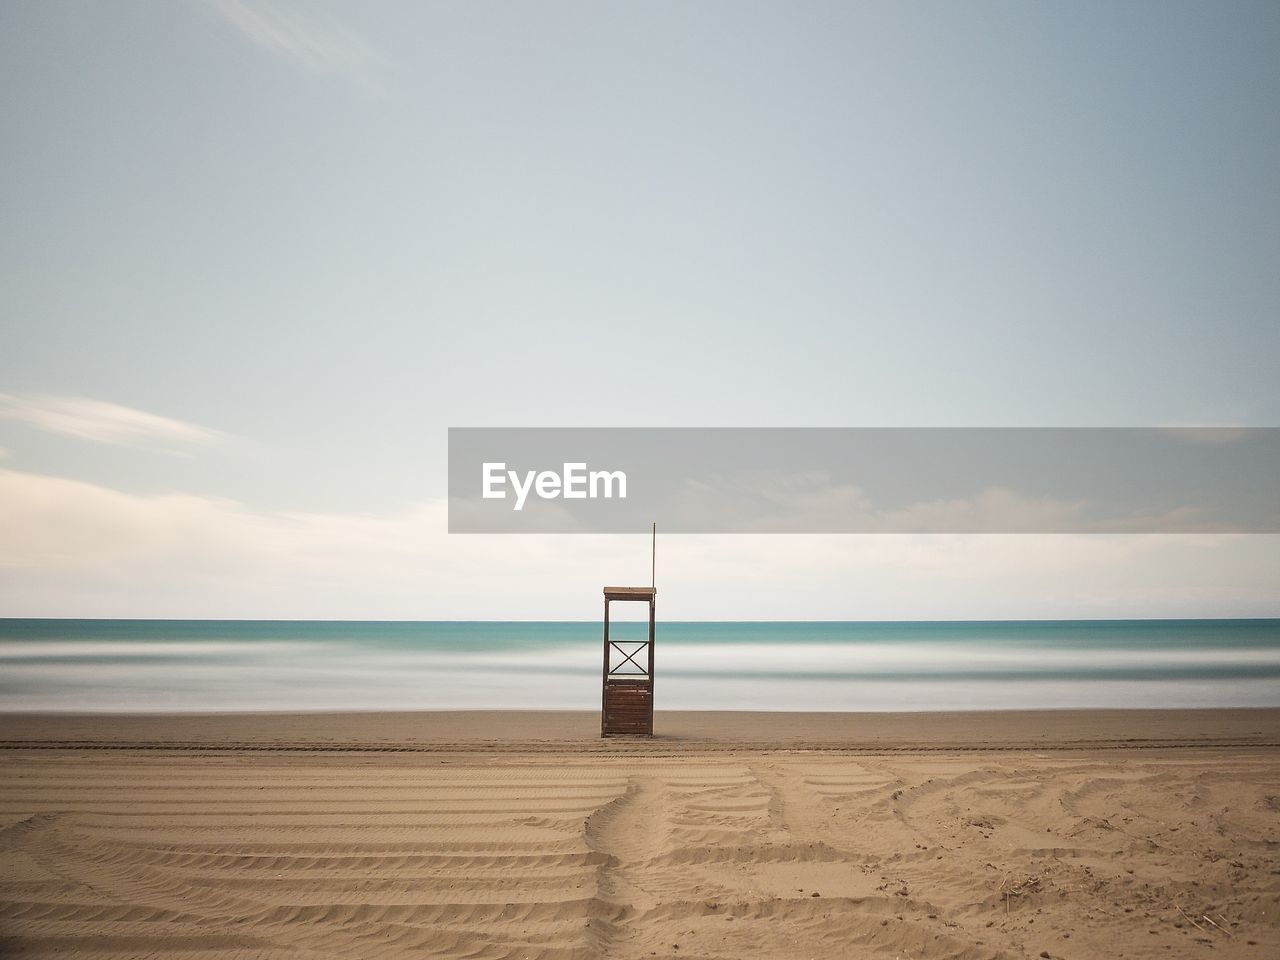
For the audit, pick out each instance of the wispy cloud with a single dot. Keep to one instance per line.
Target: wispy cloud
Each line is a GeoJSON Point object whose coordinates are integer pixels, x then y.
{"type": "Point", "coordinates": [104, 422]}
{"type": "Point", "coordinates": [315, 42]}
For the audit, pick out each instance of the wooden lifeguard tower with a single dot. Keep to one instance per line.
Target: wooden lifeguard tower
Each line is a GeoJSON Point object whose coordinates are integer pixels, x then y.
{"type": "Point", "coordinates": [626, 700]}
{"type": "Point", "coordinates": [626, 695]}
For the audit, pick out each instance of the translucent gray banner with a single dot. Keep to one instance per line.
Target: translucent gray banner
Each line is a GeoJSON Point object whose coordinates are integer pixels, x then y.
{"type": "Point", "coordinates": [865, 480]}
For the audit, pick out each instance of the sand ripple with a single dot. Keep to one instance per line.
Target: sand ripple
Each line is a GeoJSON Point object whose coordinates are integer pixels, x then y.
{"type": "Point", "coordinates": [714, 854]}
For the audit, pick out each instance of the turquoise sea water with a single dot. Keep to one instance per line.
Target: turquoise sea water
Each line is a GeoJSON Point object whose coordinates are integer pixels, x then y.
{"type": "Point", "coordinates": [199, 665]}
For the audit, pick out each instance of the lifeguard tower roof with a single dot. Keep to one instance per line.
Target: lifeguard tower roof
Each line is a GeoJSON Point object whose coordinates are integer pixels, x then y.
{"type": "Point", "coordinates": [630, 593]}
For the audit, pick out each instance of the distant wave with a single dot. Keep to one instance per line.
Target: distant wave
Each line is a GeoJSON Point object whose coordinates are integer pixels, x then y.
{"type": "Point", "coordinates": [248, 665]}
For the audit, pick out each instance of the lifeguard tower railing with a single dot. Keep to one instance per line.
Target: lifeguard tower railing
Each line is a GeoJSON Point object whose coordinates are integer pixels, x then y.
{"type": "Point", "coordinates": [626, 697]}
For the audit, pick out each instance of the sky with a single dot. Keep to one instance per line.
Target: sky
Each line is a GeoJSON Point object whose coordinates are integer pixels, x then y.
{"type": "Point", "coordinates": [257, 257]}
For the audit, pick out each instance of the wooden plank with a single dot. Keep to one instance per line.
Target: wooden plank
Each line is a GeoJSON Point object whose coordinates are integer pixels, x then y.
{"type": "Point", "coordinates": [628, 708]}
{"type": "Point", "coordinates": [604, 683]}
{"type": "Point", "coordinates": [653, 608]}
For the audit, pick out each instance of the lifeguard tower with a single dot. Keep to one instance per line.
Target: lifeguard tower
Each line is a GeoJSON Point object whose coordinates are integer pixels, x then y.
{"type": "Point", "coordinates": [626, 695]}
{"type": "Point", "coordinates": [626, 703]}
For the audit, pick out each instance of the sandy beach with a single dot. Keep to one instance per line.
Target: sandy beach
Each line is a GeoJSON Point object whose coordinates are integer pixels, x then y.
{"type": "Point", "coordinates": [494, 835]}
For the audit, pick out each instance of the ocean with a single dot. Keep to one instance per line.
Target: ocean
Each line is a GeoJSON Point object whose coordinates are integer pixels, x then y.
{"type": "Point", "coordinates": [247, 665]}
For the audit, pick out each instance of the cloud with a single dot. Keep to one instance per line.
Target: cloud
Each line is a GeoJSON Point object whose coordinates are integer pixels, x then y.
{"type": "Point", "coordinates": [317, 43]}
{"type": "Point", "coordinates": [104, 422]}
{"type": "Point", "coordinates": [70, 548]}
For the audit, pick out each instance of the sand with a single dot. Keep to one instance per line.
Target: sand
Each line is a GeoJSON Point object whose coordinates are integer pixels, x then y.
{"type": "Point", "coordinates": [1071, 834]}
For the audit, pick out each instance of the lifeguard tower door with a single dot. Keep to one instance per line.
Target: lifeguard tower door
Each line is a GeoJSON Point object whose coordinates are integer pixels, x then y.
{"type": "Point", "coordinates": [626, 700]}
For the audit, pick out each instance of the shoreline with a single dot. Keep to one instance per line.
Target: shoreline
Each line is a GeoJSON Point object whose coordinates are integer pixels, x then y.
{"type": "Point", "coordinates": [578, 731]}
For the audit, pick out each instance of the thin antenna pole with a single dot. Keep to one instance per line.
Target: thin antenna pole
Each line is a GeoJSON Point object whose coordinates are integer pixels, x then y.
{"type": "Point", "coordinates": [653, 558]}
